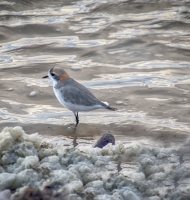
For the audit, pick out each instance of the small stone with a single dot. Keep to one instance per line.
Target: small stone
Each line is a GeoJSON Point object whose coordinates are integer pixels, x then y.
{"type": "Point", "coordinates": [117, 77]}
{"type": "Point", "coordinates": [104, 140]}
{"type": "Point", "coordinates": [32, 94]}
{"type": "Point", "coordinates": [75, 68]}
{"type": "Point", "coordinates": [152, 107]}
{"type": "Point", "coordinates": [119, 102]}
{"type": "Point", "coordinates": [158, 55]}
{"type": "Point", "coordinates": [9, 89]}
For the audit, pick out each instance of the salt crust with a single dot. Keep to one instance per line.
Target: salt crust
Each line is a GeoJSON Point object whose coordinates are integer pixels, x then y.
{"type": "Point", "coordinates": [149, 172]}
{"type": "Point", "coordinates": [5, 195]}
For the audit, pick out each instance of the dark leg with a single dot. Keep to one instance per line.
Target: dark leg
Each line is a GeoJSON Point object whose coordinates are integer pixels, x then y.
{"type": "Point", "coordinates": [76, 118]}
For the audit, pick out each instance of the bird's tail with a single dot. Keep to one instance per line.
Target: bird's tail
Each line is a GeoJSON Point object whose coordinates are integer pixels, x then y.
{"type": "Point", "coordinates": [110, 108]}
{"type": "Point", "coordinates": [106, 106]}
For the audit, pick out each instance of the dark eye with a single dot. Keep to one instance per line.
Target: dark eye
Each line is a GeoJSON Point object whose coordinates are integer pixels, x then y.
{"type": "Point", "coordinates": [52, 74]}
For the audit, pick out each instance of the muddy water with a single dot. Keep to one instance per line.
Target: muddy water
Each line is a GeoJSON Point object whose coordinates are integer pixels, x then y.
{"type": "Point", "coordinates": [136, 52]}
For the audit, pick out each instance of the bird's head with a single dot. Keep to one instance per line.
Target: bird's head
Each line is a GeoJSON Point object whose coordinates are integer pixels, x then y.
{"type": "Point", "coordinates": [57, 75]}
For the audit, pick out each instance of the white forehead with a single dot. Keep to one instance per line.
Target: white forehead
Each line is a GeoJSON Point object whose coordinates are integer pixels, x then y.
{"type": "Point", "coordinates": [54, 81]}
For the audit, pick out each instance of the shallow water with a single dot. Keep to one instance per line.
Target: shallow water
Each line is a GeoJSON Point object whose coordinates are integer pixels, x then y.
{"type": "Point", "coordinates": [136, 52]}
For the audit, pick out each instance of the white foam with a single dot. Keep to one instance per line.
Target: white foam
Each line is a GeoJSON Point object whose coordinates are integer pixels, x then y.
{"type": "Point", "coordinates": [151, 172]}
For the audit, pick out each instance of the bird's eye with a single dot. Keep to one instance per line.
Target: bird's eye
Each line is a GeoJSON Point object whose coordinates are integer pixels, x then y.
{"type": "Point", "coordinates": [52, 74]}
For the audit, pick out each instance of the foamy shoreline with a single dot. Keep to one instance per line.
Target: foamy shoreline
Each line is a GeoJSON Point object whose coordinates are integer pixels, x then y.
{"type": "Point", "coordinates": [85, 172]}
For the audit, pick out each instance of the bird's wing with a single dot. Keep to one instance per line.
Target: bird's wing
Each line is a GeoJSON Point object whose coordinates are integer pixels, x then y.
{"type": "Point", "coordinates": [78, 94]}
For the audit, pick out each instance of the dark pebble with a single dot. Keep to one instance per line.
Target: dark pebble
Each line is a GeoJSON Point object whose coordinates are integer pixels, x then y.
{"type": "Point", "coordinates": [104, 140]}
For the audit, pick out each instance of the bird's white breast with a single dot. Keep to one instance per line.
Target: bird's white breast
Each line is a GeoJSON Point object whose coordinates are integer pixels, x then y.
{"type": "Point", "coordinates": [59, 96]}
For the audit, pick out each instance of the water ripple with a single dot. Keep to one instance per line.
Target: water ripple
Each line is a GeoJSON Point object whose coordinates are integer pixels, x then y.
{"type": "Point", "coordinates": [115, 45]}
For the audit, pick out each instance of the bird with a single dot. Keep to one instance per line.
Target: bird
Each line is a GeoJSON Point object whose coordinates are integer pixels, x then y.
{"type": "Point", "coordinates": [73, 95]}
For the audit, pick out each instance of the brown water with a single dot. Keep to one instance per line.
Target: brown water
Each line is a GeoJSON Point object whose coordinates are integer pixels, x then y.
{"type": "Point", "coordinates": [136, 52]}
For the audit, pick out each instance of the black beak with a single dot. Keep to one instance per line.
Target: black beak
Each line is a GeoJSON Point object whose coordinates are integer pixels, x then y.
{"type": "Point", "coordinates": [45, 76]}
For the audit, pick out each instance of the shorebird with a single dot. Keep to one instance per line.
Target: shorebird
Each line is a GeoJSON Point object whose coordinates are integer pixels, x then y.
{"type": "Point", "coordinates": [72, 95]}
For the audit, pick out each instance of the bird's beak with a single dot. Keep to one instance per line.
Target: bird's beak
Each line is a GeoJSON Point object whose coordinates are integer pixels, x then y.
{"type": "Point", "coordinates": [45, 76]}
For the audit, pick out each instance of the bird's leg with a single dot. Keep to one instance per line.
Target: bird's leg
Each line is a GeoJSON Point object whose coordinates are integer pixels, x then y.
{"type": "Point", "coordinates": [76, 118]}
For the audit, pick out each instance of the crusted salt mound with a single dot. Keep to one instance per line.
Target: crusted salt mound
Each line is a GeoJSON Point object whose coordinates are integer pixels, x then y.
{"type": "Point", "coordinates": [121, 171]}
{"type": "Point", "coordinates": [19, 153]}
{"type": "Point", "coordinates": [9, 135]}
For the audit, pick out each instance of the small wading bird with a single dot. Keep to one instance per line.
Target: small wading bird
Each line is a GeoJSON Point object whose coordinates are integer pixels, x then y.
{"type": "Point", "coordinates": [72, 94]}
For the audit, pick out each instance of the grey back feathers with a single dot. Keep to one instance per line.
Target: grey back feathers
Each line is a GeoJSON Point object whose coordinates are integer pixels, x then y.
{"type": "Point", "coordinates": [76, 93]}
